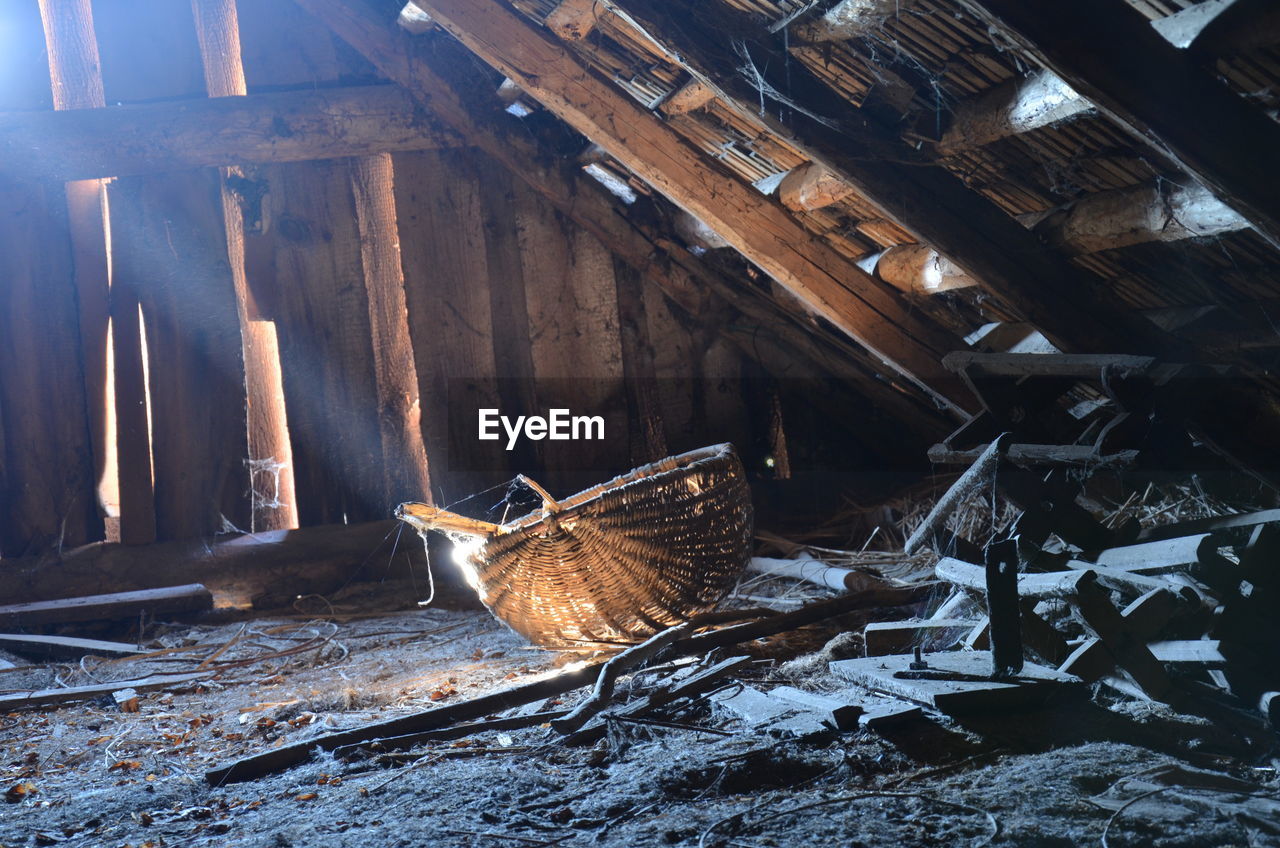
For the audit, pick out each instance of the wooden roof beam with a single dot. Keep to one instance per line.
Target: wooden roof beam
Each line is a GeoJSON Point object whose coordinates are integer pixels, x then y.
{"type": "Point", "coordinates": [760, 229]}
{"type": "Point", "coordinates": [438, 74]}
{"type": "Point", "coordinates": [1157, 93]}
{"type": "Point", "coordinates": [288, 126]}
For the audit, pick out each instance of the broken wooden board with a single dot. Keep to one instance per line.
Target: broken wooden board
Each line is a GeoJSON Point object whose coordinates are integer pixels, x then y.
{"type": "Point", "coordinates": [970, 691]}
{"type": "Point", "coordinates": [1155, 557]}
{"type": "Point", "coordinates": [34, 645]}
{"type": "Point", "coordinates": [174, 599]}
{"type": "Point", "coordinates": [43, 697]}
{"type": "Point", "coordinates": [835, 711]}
{"type": "Point", "coordinates": [778, 718]}
{"type": "Point", "coordinates": [895, 637]}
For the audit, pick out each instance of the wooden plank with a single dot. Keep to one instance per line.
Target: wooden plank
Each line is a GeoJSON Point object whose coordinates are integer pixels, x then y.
{"type": "Point", "coordinates": [49, 471]}
{"type": "Point", "coordinates": [404, 457]}
{"type": "Point", "coordinates": [169, 246]}
{"type": "Point", "coordinates": [47, 697]}
{"type": "Point", "coordinates": [192, 597]}
{"type": "Point", "coordinates": [1075, 365]}
{"type": "Point", "coordinates": [26, 644]}
{"type": "Point", "coordinates": [50, 485]}
{"type": "Point", "coordinates": [286, 126]}
{"type": "Point", "coordinates": [440, 79]}
{"type": "Point", "coordinates": [1211, 524]}
{"type": "Point", "coordinates": [1058, 584]}
{"type": "Point", "coordinates": [1205, 652]}
{"type": "Point", "coordinates": [133, 436]}
{"type": "Point", "coordinates": [1034, 685]}
{"type": "Point", "coordinates": [1158, 556]}
{"type": "Point", "coordinates": [447, 289]}
{"type": "Point", "coordinates": [1157, 93]}
{"type": "Point", "coordinates": [835, 288]}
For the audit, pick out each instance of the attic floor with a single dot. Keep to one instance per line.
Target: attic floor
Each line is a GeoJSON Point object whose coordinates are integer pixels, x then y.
{"type": "Point", "coordinates": [89, 774]}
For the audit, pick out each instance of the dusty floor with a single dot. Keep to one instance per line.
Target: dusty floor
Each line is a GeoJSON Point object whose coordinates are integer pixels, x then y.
{"type": "Point", "coordinates": [88, 774]}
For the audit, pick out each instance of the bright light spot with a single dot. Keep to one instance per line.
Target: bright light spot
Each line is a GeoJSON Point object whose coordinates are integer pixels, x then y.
{"type": "Point", "coordinates": [463, 553]}
{"type": "Point", "coordinates": [576, 665]}
{"type": "Point", "coordinates": [519, 109]}
{"type": "Point", "coordinates": [769, 462]}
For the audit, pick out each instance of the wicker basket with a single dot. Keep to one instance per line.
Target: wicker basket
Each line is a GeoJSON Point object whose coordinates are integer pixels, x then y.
{"type": "Point", "coordinates": [615, 563]}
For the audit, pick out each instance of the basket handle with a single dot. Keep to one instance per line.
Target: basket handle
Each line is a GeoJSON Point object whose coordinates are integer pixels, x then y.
{"type": "Point", "coordinates": [549, 503]}
{"type": "Point", "coordinates": [424, 517]}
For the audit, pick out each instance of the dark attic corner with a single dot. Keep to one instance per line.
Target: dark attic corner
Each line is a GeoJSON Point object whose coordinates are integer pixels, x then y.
{"type": "Point", "coordinates": [639, 423]}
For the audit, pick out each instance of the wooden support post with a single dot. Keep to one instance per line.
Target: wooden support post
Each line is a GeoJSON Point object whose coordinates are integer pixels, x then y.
{"type": "Point", "coordinates": [49, 482]}
{"type": "Point", "coordinates": [404, 458]}
{"type": "Point", "coordinates": [1157, 93]}
{"type": "Point", "coordinates": [1002, 608]}
{"type": "Point", "coordinates": [270, 456]}
{"type": "Point", "coordinates": [835, 288]}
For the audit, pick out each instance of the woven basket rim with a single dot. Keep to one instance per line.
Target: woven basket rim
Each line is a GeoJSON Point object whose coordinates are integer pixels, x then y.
{"type": "Point", "coordinates": [664, 467]}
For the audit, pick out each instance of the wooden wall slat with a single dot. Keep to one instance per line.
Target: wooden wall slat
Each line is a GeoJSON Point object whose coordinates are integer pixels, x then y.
{"type": "Point", "coordinates": [447, 285]}
{"type": "Point", "coordinates": [577, 351]}
{"type": "Point", "coordinates": [49, 471]}
{"type": "Point", "coordinates": [169, 243]}
{"type": "Point", "coordinates": [512, 351]}
{"type": "Point", "coordinates": [648, 438]}
{"type": "Point", "coordinates": [326, 353]}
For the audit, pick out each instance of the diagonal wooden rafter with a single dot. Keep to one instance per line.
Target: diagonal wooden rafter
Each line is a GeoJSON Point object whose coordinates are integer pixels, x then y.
{"type": "Point", "coordinates": [1072, 306]}
{"type": "Point", "coordinates": [437, 73]}
{"type": "Point", "coordinates": [866, 309]}
{"type": "Point", "coordinates": [1156, 92]}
